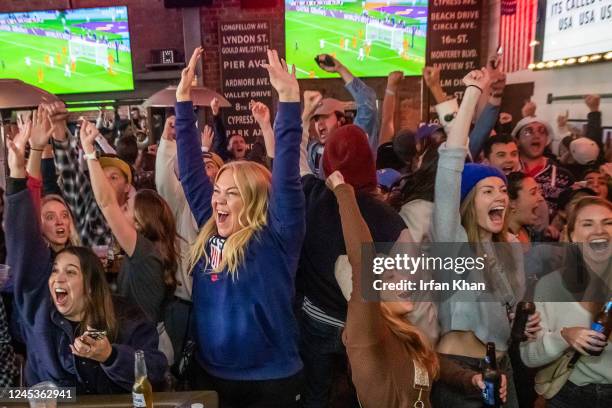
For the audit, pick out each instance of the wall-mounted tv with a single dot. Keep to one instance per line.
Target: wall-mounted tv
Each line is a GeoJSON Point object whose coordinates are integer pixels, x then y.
{"type": "Point", "coordinates": [372, 38]}
{"type": "Point", "coordinates": [68, 51]}
{"type": "Point", "coordinates": [570, 29]}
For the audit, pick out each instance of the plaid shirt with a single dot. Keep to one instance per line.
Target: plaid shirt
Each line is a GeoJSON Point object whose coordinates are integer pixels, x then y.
{"type": "Point", "coordinates": [8, 368]}
{"type": "Point", "coordinates": [77, 191]}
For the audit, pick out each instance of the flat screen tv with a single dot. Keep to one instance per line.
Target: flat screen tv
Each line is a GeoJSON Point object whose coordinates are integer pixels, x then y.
{"type": "Point", "coordinates": [570, 29]}
{"type": "Point", "coordinates": [372, 38]}
{"type": "Point", "coordinates": [68, 51]}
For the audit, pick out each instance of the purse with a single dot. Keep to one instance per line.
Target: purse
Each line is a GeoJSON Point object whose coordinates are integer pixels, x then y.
{"type": "Point", "coordinates": [551, 378]}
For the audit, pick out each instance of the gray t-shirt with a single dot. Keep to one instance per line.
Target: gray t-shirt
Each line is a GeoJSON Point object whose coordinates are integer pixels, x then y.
{"type": "Point", "coordinates": [141, 279]}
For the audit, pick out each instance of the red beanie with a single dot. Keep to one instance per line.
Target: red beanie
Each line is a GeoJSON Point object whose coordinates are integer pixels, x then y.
{"type": "Point", "coordinates": [348, 151]}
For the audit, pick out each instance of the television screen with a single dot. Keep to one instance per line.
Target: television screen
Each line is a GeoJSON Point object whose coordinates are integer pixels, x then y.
{"type": "Point", "coordinates": [371, 38]}
{"type": "Point", "coordinates": [575, 29]}
{"type": "Point", "coordinates": [68, 51]}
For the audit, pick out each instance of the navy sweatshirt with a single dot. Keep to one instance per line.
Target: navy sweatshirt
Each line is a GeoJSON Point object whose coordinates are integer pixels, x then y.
{"type": "Point", "coordinates": [48, 334]}
{"type": "Point", "coordinates": [245, 328]}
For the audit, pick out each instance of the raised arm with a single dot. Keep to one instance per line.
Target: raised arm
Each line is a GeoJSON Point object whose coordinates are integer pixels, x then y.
{"type": "Point", "coordinates": [219, 143]}
{"type": "Point", "coordinates": [488, 117]}
{"type": "Point", "coordinates": [387, 127]}
{"type": "Point", "coordinates": [311, 100]}
{"type": "Point", "coordinates": [287, 202]}
{"type": "Point", "coordinates": [365, 99]}
{"type": "Point", "coordinates": [196, 185]}
{"type": "Point", "coordinates": [27, 253]}
{"type": "Point", "coordinates": [593, 129]}
{"type": "Point", "coordinates": [363, 323]}
{"type": "Point", "coordinates": [74, 182]}
{"type": "Point", "coordinates": [446, 221]}
{"type": "Point", "coordinates": [261, 113]}
{"type": "Point", "coordinates": [105, 195]}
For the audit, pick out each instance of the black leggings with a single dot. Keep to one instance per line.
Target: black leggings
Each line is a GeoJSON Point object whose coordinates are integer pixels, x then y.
{"type": "Point", "coordinates": [279, 393]}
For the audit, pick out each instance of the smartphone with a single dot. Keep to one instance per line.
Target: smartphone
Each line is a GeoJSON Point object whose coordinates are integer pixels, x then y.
{"type": "Point", "coordinates": [95, 334]}
{"type": "Point", "coordinates": [327, 60]}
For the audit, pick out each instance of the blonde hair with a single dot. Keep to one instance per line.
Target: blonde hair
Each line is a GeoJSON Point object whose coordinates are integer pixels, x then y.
{"type": "Point", "coordinates": [416, 343]}
{"type": "Point", "coordinates": [74, 238]}
{"type": "Point", "coordinates": [253, 181]}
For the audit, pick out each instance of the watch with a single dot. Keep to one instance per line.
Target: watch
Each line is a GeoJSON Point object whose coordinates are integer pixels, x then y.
{"type": "Point", "coordinates": [91, 156]}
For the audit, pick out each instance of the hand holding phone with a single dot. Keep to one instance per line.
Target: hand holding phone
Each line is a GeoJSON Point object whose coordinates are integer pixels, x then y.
{"type": "Point", "coordinates": [324, 60]}
{"type": "Point", "coordinates": [95, 334]}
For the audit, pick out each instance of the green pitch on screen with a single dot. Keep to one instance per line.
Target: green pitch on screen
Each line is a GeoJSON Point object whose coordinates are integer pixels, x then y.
{"type": "Point", "coordinates": [45, 62]}
{"type": "Point", "coordinates": [308, 35]}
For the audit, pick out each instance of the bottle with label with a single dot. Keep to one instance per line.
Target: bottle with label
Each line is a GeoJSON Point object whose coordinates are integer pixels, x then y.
{"type": "Point", "coordinates": [142, 393]}
{"type": "Point", "coordinates": [603, 324]}
{"type": "Point", "coordinates": [491, 378]}
{"type": "Point", "coordinates": [524, 309]}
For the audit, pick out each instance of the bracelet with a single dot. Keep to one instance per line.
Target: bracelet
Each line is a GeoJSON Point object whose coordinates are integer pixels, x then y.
{"type": "Point", "coordinates": [389, 92]}
{"type": "Point", "coordinates": [36, 150]}
{"type": "Point", "coordinates": [475, 86]}
{"type": "Point", "coordinates": [91, 156]}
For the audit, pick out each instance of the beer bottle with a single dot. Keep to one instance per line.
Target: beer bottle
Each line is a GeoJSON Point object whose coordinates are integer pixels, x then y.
{"type": "Point", "coordinates": [142, 393]}
{"type": "Point", "coordinates": [491, 378]}
{"type": "Point", "coordinates": [524, 309]}
{"type": "Point", "coordinates": [602, 324]}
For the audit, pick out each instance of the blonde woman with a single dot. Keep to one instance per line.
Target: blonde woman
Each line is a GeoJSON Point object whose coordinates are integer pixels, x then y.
{"type": "Point", "coordinates": [245, 257]}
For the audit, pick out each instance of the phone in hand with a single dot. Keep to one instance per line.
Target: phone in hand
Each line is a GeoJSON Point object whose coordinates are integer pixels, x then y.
{"type": "Point", "coordinates": [95, 334]}
{"type": "Point", "coordinates": [497, 58]}
{"type": "Point", "coordinates": [324, 59]}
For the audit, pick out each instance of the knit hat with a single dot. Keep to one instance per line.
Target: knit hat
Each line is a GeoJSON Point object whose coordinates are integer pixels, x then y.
{"type": "Point", "coordinates": [427, 130]}
{"type": "Point", "coordinates": [348, 151]}
{"type": "Point", "coordinates": [532, 119]}
{"type": "Point", "coordinates": [387, 177]}
{"type": "Point", "coordinates": [213, 157]}
{"type": "Point", "coordinates": [584, 150]}
{"type": "Point", "coordinates": [473, 173]}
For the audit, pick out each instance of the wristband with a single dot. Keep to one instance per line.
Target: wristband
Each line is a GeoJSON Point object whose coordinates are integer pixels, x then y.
{"type": "Point", "coordinates": [91, 156]}
{"type": "Point", "coordinates": [205, 149]}
{"type": "Point", "coordinates": [389, 92]}
{"type": "Point", "coordinates": [36, 150]}
{"type": "Point", "coordinates": [475, 86]}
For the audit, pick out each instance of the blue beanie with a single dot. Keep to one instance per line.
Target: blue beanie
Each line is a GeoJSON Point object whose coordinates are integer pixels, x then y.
{"type": "Point", "coordinates": [473, 173]}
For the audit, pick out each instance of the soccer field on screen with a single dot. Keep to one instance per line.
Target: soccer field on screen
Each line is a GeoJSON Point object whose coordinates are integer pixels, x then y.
{"type": "Point", "coordinates": [370, 38]}
{"type": "Point", "coordinates": [66, 54]}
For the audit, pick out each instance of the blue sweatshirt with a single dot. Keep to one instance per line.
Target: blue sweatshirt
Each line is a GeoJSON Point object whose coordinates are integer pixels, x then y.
{"type": "Point", "coordinates": [48, 334]}
{"type": "Point", "coordinates": [245, 327]}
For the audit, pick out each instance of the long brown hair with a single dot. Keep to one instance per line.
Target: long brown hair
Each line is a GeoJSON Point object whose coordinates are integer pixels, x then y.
{"type": "Point", "coordinates": [98, 310]}
{"type": "Point", "coordinates": [417, 344]}
{"type": "Point", "coordinates": [157, 223]}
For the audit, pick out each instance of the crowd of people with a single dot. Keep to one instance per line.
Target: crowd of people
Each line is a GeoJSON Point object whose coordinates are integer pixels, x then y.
{"type": "Point", "coordinates": [243, 268]}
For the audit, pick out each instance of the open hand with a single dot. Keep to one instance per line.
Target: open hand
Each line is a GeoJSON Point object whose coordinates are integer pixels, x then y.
{"type": "Point", "coordinates": [16, 151]}
{"type": "Point", "coordinates": [529, 109]}
{"type": "Point", "coordinates": [183, 90]}
{"type": "Point", "coordinates": [334, 180]}
{"type": "Point", "coordinates": [42, 128]}
{"type": "Point", "coordinates": [281, 79]}
{"type": "Point", "coordinates": [207, 137]}
{"type": "Point", "coordinates": [260, 112]}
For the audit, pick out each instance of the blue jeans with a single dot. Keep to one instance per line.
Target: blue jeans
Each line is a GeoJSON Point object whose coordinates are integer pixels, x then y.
{"type": "Point", "coordinates": [590, 395]}
{"type": "Point", "coordinates": [320, 348]}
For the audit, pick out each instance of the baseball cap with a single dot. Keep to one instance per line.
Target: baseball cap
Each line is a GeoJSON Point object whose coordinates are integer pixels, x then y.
{"type": "Point", "coordinates": [328, 106]}
{"type": "Point", "coordinates": [584, 150]}
{"type": "Point", "coordinates": [387, 177]}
